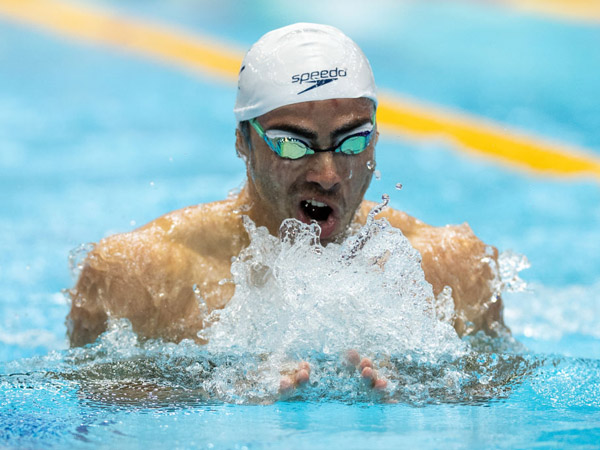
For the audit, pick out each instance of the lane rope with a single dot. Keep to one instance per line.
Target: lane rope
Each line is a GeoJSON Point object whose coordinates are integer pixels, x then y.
{"type": "Point", "coordinates": [222, 62]}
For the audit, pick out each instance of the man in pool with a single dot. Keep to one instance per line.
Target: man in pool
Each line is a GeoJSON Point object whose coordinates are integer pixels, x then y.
{"type": "Point", "coordinates": [306, 112]}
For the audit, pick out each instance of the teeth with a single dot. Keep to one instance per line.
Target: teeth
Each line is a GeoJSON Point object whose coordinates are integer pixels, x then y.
{"type": "Point", "coordinates": [313, 202]}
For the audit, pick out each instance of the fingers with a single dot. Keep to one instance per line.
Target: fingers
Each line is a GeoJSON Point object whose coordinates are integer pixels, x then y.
{"type": "Point", "coordinates": [371, 376]}
{"type": "Point", "coordinates": [380, 384]}
{"type": "Point", "coordinates": [294, 380]}
{"type": "Point", "coordinates": [352, 358]}
{"type": "Point", "coordinates": [286, 385]}
{"type": "Point", "coordinates": [368, 374]}
{"type": "Point", "coordinates": [303, 373]}
{"type": "Point", "coordinates": [365, 363]}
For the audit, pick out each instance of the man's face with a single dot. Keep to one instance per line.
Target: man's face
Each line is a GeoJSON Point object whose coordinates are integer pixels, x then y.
{"type": "Point", "coordinates": [327, 187]}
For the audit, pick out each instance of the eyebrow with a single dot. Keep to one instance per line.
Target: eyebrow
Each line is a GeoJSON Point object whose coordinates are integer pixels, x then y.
{"type": "Point", "coordinates": [311, 135]}
{"type": "Point", "coordinates": [349, 127]}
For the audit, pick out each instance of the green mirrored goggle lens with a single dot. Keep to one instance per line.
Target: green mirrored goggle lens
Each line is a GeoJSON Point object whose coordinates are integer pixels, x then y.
{"type": "Point", "coordinates": [292, 149]}
{"type": "Point", "coordinates": [354, 145]}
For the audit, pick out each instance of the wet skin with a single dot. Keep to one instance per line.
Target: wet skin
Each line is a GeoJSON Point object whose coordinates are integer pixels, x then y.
{"type": "Point", "coordinates": [279, 187]}
{"type": "Point", "coordinates": [148, 275]}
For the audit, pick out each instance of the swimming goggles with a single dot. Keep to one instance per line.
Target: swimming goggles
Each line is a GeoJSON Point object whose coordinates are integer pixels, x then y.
{"type": "Point", "coordinates": [290, 147]}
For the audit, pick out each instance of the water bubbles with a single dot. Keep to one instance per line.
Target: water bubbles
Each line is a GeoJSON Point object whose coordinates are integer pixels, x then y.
{"type": "Point", "coordinates": [509, 266]}
{"type": "Point", "coordinates": [385, 200]}
{"type": "Point", "coordinates": [197, 292]}
{"type": "Point", "coordinates": [371, 165]}
{"type": "Point", "coordinates": [152, 184]}
{"type": "Point", "coordinates": [233, 193]}
{"type": "Point", "coordinates": [398, 186]}
{"type": "Point", "coordinates": [377, 175]}
{"type": "Point", "coordinates": [241, 209]}
{"type": "Point", "coordinates": [297, 300]}
{"type": "Point", "coordinates": [77, 258]}
{"type": "Point", "coordinates": [368, 293]}
{"type": "Point", "coordinates": [78, 300]}
{"type": "Point", "coordinates": [132, 222]}
{"type": "Point", "coordinates": [444, 305]}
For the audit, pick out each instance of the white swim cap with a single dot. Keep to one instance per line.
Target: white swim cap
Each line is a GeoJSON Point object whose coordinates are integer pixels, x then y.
{"type": "Point", "coordinates": [300, 63]}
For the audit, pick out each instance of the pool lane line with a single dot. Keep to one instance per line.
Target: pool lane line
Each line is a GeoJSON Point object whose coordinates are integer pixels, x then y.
{"type": "Point", "coordinates": [203, 55]}
{"type": "Point", "coordinates": [585, 11]}
{"type": "Point", "coordinates": [486, 138]}
{"type": "Point", "coordinates": [110, 28]}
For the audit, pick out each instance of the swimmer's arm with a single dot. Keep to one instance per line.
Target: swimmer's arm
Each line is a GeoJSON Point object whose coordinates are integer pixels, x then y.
{"type": "Point", "coordinates": [87, 317]}
{"type": "Point", "coordinates": [108, 286]}
{"type": "Point", "coordinates": [453, 256]}
{"type": "Point", "coordinates": [146, 285]}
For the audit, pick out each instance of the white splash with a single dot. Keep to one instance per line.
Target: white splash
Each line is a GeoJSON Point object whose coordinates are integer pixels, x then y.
{"type": "Point", "coordinates": [295, 296]}
{"type": "Point", "coordinates": [296, 300]}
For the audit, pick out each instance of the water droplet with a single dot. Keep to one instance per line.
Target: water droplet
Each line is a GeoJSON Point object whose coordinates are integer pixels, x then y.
{"type": "Point", "coordinates": [170, 159]}
{"type": "Point", "coordinates": [132, 223]}
{"type": "Point", "coordinates": [79, 301]}
{"type": "Point", "coordinates": [152, 184]}
{"type": "Point", "coordinates": [370, 165]}
{"type": "Point", "coordinates": [377, 174]}
{"type": "Point", "coordinates": [196, 289]}
{"type": "Point", "coordinates": [233, 193]}
{"type": "Point", "coordinates": [398, 186]}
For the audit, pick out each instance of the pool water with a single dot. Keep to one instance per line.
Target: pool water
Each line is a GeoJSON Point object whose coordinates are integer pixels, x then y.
{"type": "Point", "coordinates": [95, 140]}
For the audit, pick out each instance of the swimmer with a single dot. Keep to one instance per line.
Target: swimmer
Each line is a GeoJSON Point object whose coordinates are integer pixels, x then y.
{"type": "Point", "coordinates": [306, 111]}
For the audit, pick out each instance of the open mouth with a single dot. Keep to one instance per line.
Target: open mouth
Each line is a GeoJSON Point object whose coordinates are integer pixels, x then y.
{"type": "Point", "coordinates": [315, 210]}
{"type": "Point", "coordinates": [325, 214]}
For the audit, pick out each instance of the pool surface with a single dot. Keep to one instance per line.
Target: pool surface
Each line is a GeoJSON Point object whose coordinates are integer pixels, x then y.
{"type": "Point", "coordinates": [98, 137]}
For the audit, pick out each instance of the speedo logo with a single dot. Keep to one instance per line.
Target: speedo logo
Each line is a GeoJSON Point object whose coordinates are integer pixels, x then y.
{"type": "Point", "coordinates": [318, 78]}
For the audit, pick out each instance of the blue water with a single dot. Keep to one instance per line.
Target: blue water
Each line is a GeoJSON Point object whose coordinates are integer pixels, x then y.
{"type": "Point", "coordinates": [95, 141]}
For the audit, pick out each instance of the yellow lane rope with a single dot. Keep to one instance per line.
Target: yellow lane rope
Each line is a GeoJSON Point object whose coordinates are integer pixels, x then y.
{"type": "Point", "coordinates": [105, 27]}
{"type": "Point", "coordinates": [486, 138]}
{"type": "Point", "coordinates": [587, 11]}
{"type": "Point", "coordinates": [222, 62]}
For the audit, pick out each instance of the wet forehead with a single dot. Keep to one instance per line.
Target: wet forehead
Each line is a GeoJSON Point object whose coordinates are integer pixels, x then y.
{"type": "Point", "coordinates": [321, 117]}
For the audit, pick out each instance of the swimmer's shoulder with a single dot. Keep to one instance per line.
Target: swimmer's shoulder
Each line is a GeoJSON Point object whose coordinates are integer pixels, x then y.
{"type": "Point", "coordinates": [417, 231]}
{"type": "Point", "coordinates": [452, 255]}
{"type": "Point", "coordinates": [177, 239]}
{"type": "Point", "coordinates": [447, 243]}
{"type": "Point", "coordinates": [409, 225]}
{"type": "Point", "coordinates": [207, 229]}
{"type": "Point", "coordinates": [147, 276]}
{"type": "Point", "coordinates": [137, 258]}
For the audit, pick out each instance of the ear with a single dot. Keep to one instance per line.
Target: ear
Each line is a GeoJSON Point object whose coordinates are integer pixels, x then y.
{"type": "Point", "coordinates": [241, 145]}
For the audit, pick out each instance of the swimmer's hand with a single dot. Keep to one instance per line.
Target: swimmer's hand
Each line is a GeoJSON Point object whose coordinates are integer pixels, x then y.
{"type": "Point", "coordinates": [365, 366]}
{"type": "Point", "coordinates": [294, 379]}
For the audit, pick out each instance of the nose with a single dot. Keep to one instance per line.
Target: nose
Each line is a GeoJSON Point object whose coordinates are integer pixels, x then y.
{"type": "Point", "coordinates": [324, 171]}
